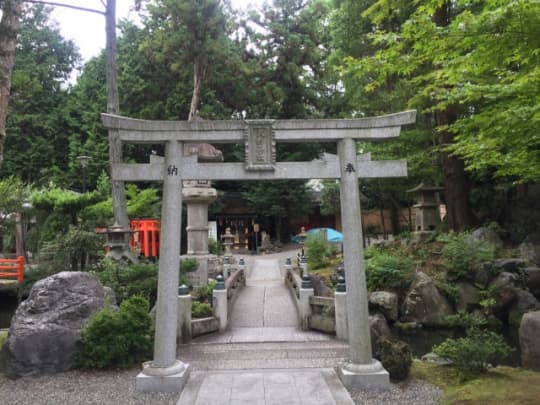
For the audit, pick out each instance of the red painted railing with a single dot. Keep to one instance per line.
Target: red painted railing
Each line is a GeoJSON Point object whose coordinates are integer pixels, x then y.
{"type": "Point", "coordinates": [12, 268]}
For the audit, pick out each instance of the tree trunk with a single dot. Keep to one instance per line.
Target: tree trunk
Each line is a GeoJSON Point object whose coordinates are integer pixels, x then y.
{"type": "Point", "coordinates": [9, 27]}
{"type": "Point", "coordinates": [113, 107]}
{"type": "Point", "coordinates": [456, 183]}
{"type": "Point", "coordinates": [198, 77]}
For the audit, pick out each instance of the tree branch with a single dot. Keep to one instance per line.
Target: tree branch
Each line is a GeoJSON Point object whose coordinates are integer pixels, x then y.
{"type": "Point", "coordinates": [50, 3]}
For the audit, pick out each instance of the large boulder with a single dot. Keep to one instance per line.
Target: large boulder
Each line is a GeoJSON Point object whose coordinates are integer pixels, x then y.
{"type": "Point", "coordinates": [511, 265]}
{"type": "Point", "coordinates": [386, 302]}
{"type": "Point", "coordinates": [524, 302]}
{"type": "Point", "coordinates": [378, 327]}
{"type": "Point", "coordinates": [45, 331]}
{"type": "Point", "coordinates": [424, 303]}
{"type": "Point", "coordinates": [487, 234]}
{"type": "Point", "coordinates": [532, 280]}
{"type": "Point", "coordinates": [529, 249]}
{"type": "Point", "coordinates": [469, 296]}
{"type": "Point", "coordinates": [529, 340]}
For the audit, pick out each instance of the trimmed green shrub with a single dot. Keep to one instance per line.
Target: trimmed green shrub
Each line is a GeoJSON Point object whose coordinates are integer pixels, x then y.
{"type": "Point", "coordinates": [204, 293]}
{"type": "Point", "coordinates": [462, 254]}
{"type": "Point", "coordinates": [188, 265]}
{"type": "Point", "coordinates": [201, 309]}
{"type": "Point", "coordinates": [317, 250]}
{"type": "Point", "coordinates": [215, 247]}
{"type": "Point", "coordinates": [387, 272]}
{"type": "Point", "coordinates": [118, 338]}
{"type": "Point", "coordinates": [129, 280]}
{"type": "Point", "coordinates": [476, 351]}
{"type": "Point", "coordinates": [395, 356]}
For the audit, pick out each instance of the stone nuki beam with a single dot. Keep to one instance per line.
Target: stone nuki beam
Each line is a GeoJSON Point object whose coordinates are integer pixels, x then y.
{"type": "Point", "coordinates": [373, 128]}
{"type": "Point", "coordinates": [317, 169]}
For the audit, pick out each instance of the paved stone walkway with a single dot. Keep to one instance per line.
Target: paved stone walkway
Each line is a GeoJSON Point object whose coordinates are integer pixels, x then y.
{"type": "Point", "coordinates": [245, 365]}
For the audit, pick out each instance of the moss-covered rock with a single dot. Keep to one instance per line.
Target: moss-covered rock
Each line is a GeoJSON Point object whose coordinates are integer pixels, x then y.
{"type": "Point", "coordinates": [395, 356]}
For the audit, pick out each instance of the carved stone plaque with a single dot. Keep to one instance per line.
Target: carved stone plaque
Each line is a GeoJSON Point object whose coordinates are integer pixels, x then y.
{"type": "Point", "coordinates": [260, 145]}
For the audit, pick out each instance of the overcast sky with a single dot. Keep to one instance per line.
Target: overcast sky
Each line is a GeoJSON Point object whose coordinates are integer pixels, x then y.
{"type": "Point", "coordinates": [87, 30]}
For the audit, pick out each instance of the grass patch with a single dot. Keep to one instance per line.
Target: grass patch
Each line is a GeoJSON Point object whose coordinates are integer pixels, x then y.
{"type": "Point", "coordinates": [3, 338]}
{"type": "Point", "coordinates": [505, 385]}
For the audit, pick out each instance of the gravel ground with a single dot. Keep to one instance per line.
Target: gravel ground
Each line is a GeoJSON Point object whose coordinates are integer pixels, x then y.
{"type": "Point", "coordinates": [411, 392]}
{"type": "Point", "coordinates": [80, 388]}
{"type": "Point", "coordinates": [118, 387]}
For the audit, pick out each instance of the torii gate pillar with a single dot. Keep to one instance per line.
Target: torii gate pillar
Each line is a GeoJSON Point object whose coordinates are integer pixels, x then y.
{"type": "Point", "coordinates": [166, 373]}
{"type": "Point", "coordinates": [362, 371]}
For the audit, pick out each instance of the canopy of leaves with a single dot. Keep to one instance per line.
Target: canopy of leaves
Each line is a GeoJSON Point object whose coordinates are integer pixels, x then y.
{"type": "Point", "coordinates": [36, 148]}
{"type": "Point", "coordinates": [484, 59]}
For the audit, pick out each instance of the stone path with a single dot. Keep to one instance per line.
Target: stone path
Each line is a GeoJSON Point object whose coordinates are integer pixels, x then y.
{"type": "Point", "coordinates": [264, 358]}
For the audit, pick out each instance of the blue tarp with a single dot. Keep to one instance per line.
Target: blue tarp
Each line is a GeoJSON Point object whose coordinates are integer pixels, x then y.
{"type": "Point", "coordinates": [332, 235]}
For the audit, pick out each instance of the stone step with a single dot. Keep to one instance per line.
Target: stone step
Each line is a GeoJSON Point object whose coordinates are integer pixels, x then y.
{"type": "Point", "coordinates": [292, 355]}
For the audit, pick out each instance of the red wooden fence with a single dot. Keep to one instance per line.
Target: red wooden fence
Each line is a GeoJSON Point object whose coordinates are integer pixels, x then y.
{"type": "Point", "coordinates": [12, 268]}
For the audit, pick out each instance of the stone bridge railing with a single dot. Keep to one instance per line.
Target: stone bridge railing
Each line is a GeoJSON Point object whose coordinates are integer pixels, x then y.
{"type": "Point", "coordinates": [234, 284]}
{"type": "Point", "coordinates": [326, 314]}
{"type": "Point", "coordinates": [224, 295]}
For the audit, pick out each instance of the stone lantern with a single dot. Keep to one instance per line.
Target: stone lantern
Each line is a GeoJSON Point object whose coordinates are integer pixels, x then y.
{"type": "Point", "coordinates": [427, 207]}
{"type": "Point", "coordinates": [117, 245]}
{"type": "Point", "coordinates": [228, 239]}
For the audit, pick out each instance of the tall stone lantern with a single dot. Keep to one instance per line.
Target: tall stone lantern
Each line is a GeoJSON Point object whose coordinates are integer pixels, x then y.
{"type": "Point", "coordinates": [427, 207]}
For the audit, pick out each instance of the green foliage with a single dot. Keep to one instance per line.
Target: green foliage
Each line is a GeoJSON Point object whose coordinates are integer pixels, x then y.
{"type": "Point", "coordinates": [201, 309]}
{"type": "Point", "coordinates": [204, 293]}
{"type": "Point", "coordinates": [141, 203]}
{"type": "Point", "coordinates": [77, 249]}
{"type": "Point", "coordinates": [395, 356]}
{"type": "Point", "coordinates": [475, 62]}
{"type": "Point", "coordinates": [215, 247]}
{"type": "Point", "coordinates": [451, 292]}
{"type": "Point", "coordinates": [294, 199]}
{"type": "Point", "coordinates": [317, 250]}
{"type": "Point", "coordinates": [188, 265]}
{"type": "Point", "coordinates": [118, 338]}
{"type": "Point", "coordinates": [388, 272]}
{"type": "Point", "coordinates": [330, 201]}
{"type": "Point", "coordinates": [36, 149]}
{"type": "Point", "coordinates": [129, 280]}
{"type": "Point", "coordinates": [475, 352]}
{"type": "Point", "coordinates": [465, 320]}
{"type": "Point", "coordinates": [3, 338]}
{"type": "Point", "coordinates": [462, 254]}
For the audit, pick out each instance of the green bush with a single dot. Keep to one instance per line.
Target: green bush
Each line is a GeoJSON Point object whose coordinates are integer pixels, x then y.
{"type": "Point", "coordinates": [476, 351]}
{"type": "Point", "coordinates": [201, 309]}
{"type": "Point", "coordinates": [118, 338]}
{"type": "Point", "coordinates": [388, 272]}
{"type": "Point", "coordinates": [395, 356]}
{"type": "Point", "coordinates": [188, 265]}
{"type": "Point", "coordinates": [462, 254]}
{"type": "Point", "coordinates": [450, 291]}
{"type": "Point", "coordinates": [465, 320]}
{"type": "Point", "coordinates": [317, 250]}
{"type": "Point", "coordinates": [127, 279]}
{"type": "Point", "coordinates": [204, 293]}
{"type": "Point", "coordinates": [215, 247]}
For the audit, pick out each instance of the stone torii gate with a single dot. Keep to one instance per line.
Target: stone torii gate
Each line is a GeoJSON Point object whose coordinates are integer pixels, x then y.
{"type": "Point", "coordinates": [165, 372]}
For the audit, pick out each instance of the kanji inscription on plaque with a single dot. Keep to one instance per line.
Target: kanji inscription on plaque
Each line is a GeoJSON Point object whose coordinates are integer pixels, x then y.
{"type": "Point", "coordinates": [260, 145]}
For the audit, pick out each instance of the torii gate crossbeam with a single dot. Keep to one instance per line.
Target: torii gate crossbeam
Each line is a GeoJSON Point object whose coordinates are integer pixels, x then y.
{"type": "Point", "coordinates": [165, 372]}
